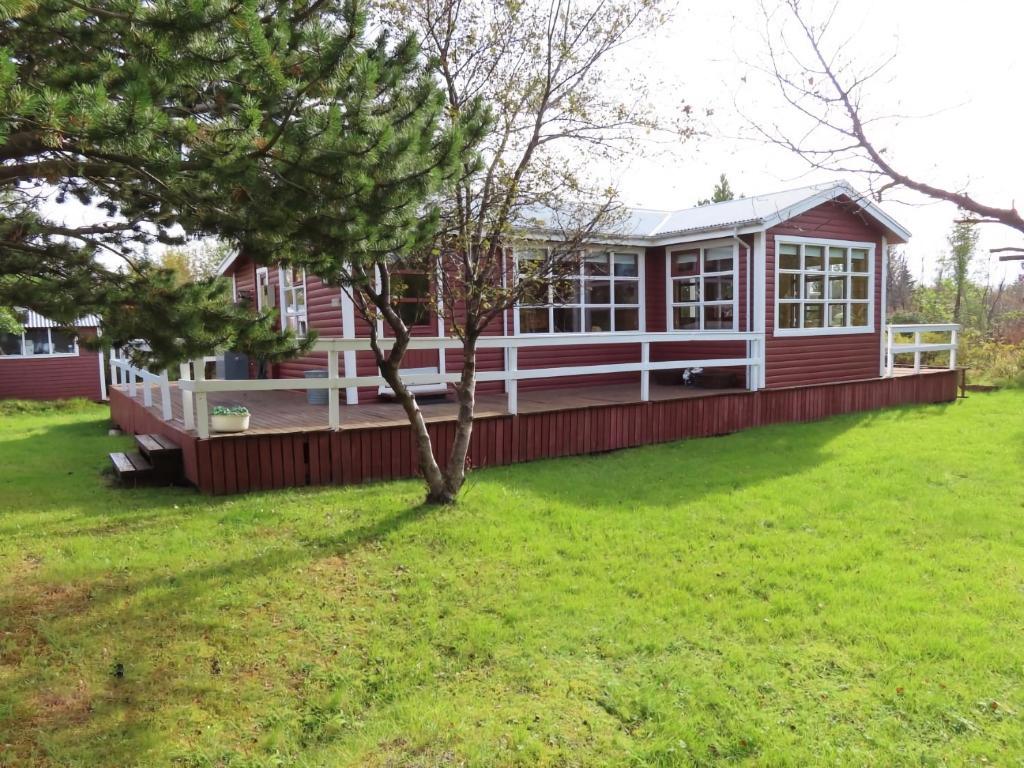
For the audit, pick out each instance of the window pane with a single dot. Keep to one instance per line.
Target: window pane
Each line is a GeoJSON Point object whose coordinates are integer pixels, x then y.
{"type": "Point", "coordinates": [299, 298]}
{"type": "Point", "coordinates": [685, 290]}
{"type": "Point", "coordinates": [598, 292]}
{"type": "Point", "coordinates": [837, 288]}
{"type": "Point", "coordinates": [534, 292]}
{"type": "Point", "coordinates": [598, 320]}
{"type": "Point", "coordinates": [814, 315]}
{"type": "Point", "coordinates": [718, 289]}
{"type": "Point", "coordinates": [718, 259]}
{"type": "Point", "coordinates": [789, 286]}
{"type": "Point", "coordinates": [814, 287]}
{"type": "Point", "coordinates": [626, 265]}
{"type": "Point", "coordinates": [37, 341]}
{"type": "Point", "coordinates": [789, 256]}
{"type": "Point", "coordinates": [685, 319]}
{"type": "Point", "coordinates": [567, 291]}
{"type": "Point", "coordinates": [718, 317]}
{"type": "Point", "coordinates": [814, 257]}
{"type": "Point", "coordinates": [627, 292]}
{"type": "Point", "coordinates": [685, 262]}
{"type": "Point", "coordinates": [858, 287]}
{"type": "Point", "coordinates": [567, 320]}
{"type": "Point", "coordinates": [859, 260]}
{"type": "Point", "coordinates": [533, 321]}
{"type": "Point", "coordinates": [414, 313]}
{"type": "Point", "coordinates": [10, 343]}
{"type": "Point", "coordinates": [836, 259]}
{"type": "Point", "coordinates": [789, 315]}
{"type": "Point", "coordinates": [859, 315]}
{"type": "Point", "coordinates": [836, 315]}
{"type": "Point", "coordinates": [415, 285]}
{"type": "Point", "coordinates": [595, 264]}
{"type": "Point", "coordinates": [63, 342]}
{"type": "Point", "coordinates": [627, 319]}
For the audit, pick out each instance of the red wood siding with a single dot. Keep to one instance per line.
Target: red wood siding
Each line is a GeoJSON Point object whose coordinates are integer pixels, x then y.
{"type": "Point", "coordinates": [52, 378]}
{"type": "Point", "coordinates": [795, 360]}
{"type": "Point", "coordinates": [236, 464]}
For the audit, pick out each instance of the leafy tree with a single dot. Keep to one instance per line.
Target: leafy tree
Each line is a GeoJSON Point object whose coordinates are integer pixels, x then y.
{"type": "Point", "coordinates": [963, 242]}
{"type": "Point", "coordinates": [721, 193]}
{"type": "Point", "coordinates": [899, 282]}
{"type": "Point", "coordinates": [542, 67]}
{"type": "Point", "coordinates": [254, 120]}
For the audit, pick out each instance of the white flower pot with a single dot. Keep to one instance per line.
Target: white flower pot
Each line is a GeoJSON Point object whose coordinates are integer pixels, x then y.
{"type": "Point", "coordinates": [230, 423]}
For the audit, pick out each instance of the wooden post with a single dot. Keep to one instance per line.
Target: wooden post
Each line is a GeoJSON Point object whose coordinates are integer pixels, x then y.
{"type": "Point", "coordinates": [132, 387]}
{"type": "Point", "coordinates": [890, 361]}
{"type": "Point", "coordinates": [147, 390]}
{"type": "Point", "coordinates": [202, 408]}
{"type": "Point", "coordinates": [753, 374]}
{"type": "Point", "coordinates": [511, 382]}
{"type": "Point", "coordinates": [645, 371]}
{"type": "Point", "coordinates": [952, 351]}
{"type": "Point", "coordinates": [115, 372]}
{"type": "Point", "coordinates": [165, 396]}
{"type": "Point", "coordinates": [917, 352]}
{"type": "Point", "coordinates": [333, 406]}
{"type": "Point", "coordinates": [189, 416]}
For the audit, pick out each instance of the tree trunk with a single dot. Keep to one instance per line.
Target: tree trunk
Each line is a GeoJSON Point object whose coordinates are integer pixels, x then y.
{"type": "Point", "coordinates": [455, 474]}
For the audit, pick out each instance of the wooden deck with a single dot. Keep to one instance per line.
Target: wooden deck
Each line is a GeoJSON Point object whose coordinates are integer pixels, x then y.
{"type": "Point", "coordinates": [290, 444]}
{"type": "Point", "coordinates": [275, 413]}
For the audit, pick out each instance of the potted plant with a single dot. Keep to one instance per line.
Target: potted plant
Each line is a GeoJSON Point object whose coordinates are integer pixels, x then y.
{"type": "Point", "coordinates": [234, 418]}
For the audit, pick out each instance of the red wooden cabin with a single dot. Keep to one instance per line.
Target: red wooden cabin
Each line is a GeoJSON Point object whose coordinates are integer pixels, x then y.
{"type": "Point", "coordinates": [781, 295]}
{"type": "Point", "coordinates": [44, 362]}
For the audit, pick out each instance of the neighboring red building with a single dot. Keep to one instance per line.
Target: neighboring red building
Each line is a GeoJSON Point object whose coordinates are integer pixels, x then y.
{"type": "Point", "coordinates": [44, 362]}
{"type": "Point", "coordinates": [804, 266]}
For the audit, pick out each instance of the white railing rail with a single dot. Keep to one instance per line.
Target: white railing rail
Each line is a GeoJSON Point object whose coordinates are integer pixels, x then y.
{"type": "Point", "coordinates": [894, 347]}
{"type": "Point", "coordinates": [122, 371]}
{"type": "Point", "coordinates": [195, 386]}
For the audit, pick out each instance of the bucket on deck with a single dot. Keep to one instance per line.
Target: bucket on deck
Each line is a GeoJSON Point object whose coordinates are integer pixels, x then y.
{"type": "Point", "coordinates": [316, 396]}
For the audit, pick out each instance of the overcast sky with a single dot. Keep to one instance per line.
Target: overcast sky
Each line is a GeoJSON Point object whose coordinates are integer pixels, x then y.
{"type": "Point", "coordinates": [960, 60]}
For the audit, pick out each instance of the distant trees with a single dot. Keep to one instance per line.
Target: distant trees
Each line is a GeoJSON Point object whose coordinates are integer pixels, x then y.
{"type": "Point", "coordinates": [721, 193]}
{"type": "Point", "coordinates": [963, 242]}
{"type": "Point", "coordinates": [899, 282]}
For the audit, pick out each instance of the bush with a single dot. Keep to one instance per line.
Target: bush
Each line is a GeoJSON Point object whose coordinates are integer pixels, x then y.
{"type": "Point", "coordinates": [992, 362]}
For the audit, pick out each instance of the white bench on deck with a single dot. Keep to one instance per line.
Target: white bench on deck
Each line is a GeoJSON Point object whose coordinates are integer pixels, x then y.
{"type": "Point", "coordinates": [439, 389]}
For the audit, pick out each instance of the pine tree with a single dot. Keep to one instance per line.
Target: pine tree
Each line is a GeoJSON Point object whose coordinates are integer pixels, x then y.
{"type": "Point", "coordinates": [721, 194]}
{"type": "Point", "coordinates": [270, 124]}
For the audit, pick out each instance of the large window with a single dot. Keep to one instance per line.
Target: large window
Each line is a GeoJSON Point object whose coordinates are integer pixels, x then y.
{"type": "Point", "coordinates": [38, 342]}
{"type": "Point", "coordinates": [823, 286]}
{"type": "Point", "coordinates": [293, 291]}
{"type": "Point", "coordinates": [413, 292]}
{"type": "Point", "coordinates": [702, 288]}
{"type": "Point", "coordinates": [603, 294]}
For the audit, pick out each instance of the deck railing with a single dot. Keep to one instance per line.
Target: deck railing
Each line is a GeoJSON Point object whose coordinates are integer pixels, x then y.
{"type": "Point", "coordinates": [894, 347]}
{"type": "Point", "coordinates": [195, 387]}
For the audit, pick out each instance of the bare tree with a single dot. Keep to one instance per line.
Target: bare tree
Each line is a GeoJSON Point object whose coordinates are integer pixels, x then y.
{"type": "Point", "coordinates": [541, 67]}
{"type": "Point", "coordinates": [827, 91]}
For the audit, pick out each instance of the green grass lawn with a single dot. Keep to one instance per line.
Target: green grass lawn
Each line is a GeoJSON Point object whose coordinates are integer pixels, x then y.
{"type": "Point", "coordinates": [848, 592]}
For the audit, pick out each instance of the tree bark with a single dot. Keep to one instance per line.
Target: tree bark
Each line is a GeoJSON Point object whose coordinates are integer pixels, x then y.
{"type": "Point", "coordinates": [465, 391]}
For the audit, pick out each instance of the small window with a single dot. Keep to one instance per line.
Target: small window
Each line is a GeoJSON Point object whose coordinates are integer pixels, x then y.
{"type": "Point", "coordinates": [10, 343]}
{"type": "Point", "coordinates": [703, 288]}
{"type": "Point", "coordinates": [38, 342]}
{"type": "Point", "coordinates": [62, 342]}
{"type": "Point", "coordinates": [296, 317]}
{"type": "Point", "coordinates": [413, 292]}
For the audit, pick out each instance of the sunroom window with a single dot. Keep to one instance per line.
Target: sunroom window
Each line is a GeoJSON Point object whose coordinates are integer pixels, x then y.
{"type": "Point", "coordinates": [823, 286]}
{"type": "Point", "coordinates": [702, 285]}
{"type": "Point", "coordinates": [602, 294]}
{"type": "Point", "coordinates": [38, 342]}
{"type": "Point", "coordinates": [296, 317]}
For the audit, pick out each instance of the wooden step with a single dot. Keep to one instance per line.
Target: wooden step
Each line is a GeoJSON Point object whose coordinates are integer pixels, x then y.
{"type": "Point", "coordinates": [164, 457]}
{"type": "Point", "coordinates": [152, 444]}
{"type": "Point", "coordinates": [131, 466]}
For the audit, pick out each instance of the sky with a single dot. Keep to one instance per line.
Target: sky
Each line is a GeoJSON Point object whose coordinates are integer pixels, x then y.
{"type": "Point", "coordinates": [956, 69]}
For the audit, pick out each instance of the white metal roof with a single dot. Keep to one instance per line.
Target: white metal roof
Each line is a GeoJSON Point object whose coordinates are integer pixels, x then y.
{"type": "Point", "coordinates": [758, 212]}
{"type": "Point", "coordinates": [31, 319]}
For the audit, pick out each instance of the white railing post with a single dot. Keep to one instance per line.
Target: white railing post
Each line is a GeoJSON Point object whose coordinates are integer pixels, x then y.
{"type": "Point", "coordinates": [115, 372]}
{"type": "Point", "coordinates": [188, 415]}
{"type": "Point", "coordinates": [202, 407]}
{"type": "Point", "coordinates": [753, 370]}
{"type": "Point", "coordinates": [952, 349]}
{"type": "Point", "coordinates": [645, 371]}
{"type": "Point", "coordinates": [333, 406]}
{"type": "Point", "coordinates": [132, 386]}
{"type": "Point", "coordinates": [917, 352]}
{"type": "Point", "coordinates": [890, 357]}
{"type": "Point", "coordinates": [512, 380]}
{"type": "Point", "coordinates": [165, 396]}
{"type": "Point", "coordinates": [147, 388]}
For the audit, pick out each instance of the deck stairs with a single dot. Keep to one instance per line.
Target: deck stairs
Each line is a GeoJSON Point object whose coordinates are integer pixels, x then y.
{"type": "Point", "coordinates": [156, 461]}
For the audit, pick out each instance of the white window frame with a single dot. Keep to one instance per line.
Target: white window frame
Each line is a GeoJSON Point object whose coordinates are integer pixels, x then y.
{"type": "Point", "coordinates": [582, 305]}
{"type": "Point", "coordinates": [45, 355]}
{"type": "Point", "coordinates": [846, 330]}
{"type": "Point", "coordinates": [671, 304]}
{"type": "Point", "coordinates": [265, 273]}
{"type": "Point", "coordinates": [290, 311]}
